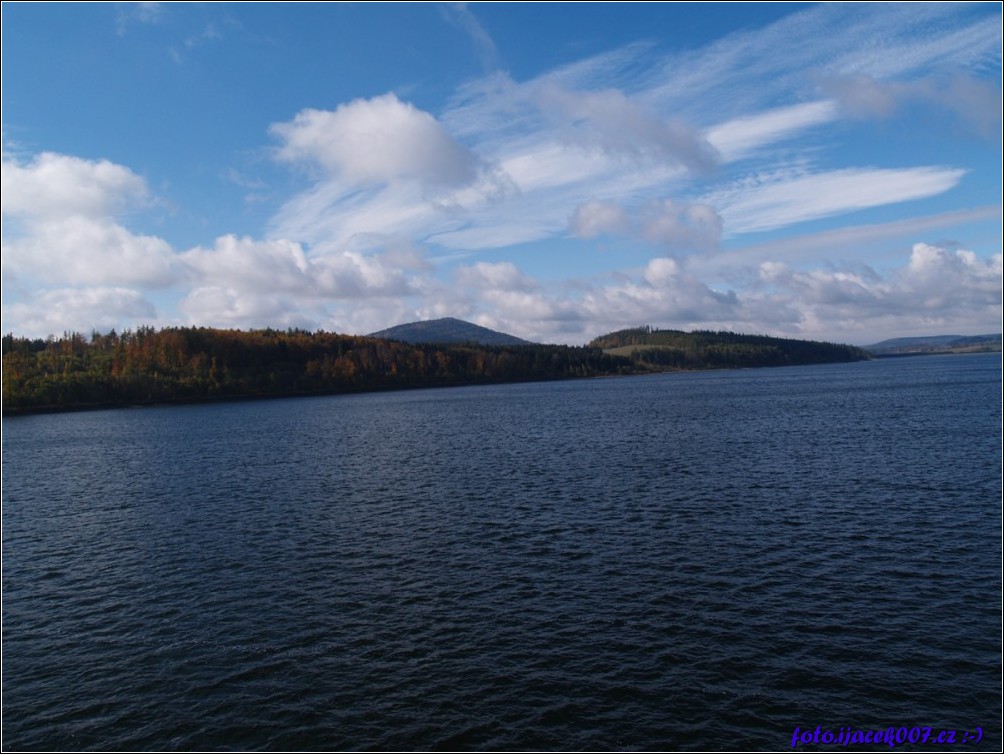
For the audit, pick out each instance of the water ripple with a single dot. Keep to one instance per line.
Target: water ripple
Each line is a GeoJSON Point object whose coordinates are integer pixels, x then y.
{"type": "Point", "coordinates": [685, 562]}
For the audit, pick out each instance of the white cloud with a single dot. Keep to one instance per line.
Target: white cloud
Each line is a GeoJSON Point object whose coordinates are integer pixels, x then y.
{"type": "Point", "coordinates": [610, 120]}
{"type": "Point", "coordinates": [939, 289]}
{"type": "Point", "coordinates": [775, 202]}
{"type": "Point", "coordinates": [670, 149]}
{"type": "Point", "coordinates": [379, 140]}
{"type": "Point", "coordinates": [260, 270]}
{"type": "Point", "coordinates": [349, 274]}
{"type": "Point", "coordinates": [943, 278]}
{"type": "Point", "coordinates": [825, 245]}
{"type": "Point", "coordinates": [62, 227]}
{"type": "Point", "coordinates": [223, 306]}
{"type": "Point", "coordinates": [666, 294]}
{"type": "Point", "coordinates": [739, 138]}
{"type": "Point", "coordinates": [676, 226]}
{"type": "Point", "coordinates": [248, 265]}
{"type": "Point", "coordinates": [688, 227]}
{"type": "Point", "coordinates": [56, 185]}
{"type": "Point", "coordinates": [461, 15]}
{"type": "Point", "coordinates": [390, 170]}
{"type": "Point", "coordinates": [661, 271]}
{"type": "Point", "coordinates": [974, 102]}
{"type": "Point", "coordinates": [144, 13]}
{"type": "Point", "coordinates": [55, 311]}
{"type": "Point", "coordinates": [499, 276]}
{"type": "Point", "coordinates": [86, 251]}
{"type": "Point", "coordinates": [622, 129]}
{"type": "Point", "coordinates": [773, 65]}
{"type": "Point", "coordinates": [936, 289]}
{"type": "Point", "coordinates": [595, 218]}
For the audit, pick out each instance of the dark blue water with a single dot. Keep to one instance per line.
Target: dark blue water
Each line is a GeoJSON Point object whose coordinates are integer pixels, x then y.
{"type": "Point", "coordinates": [688, 561]}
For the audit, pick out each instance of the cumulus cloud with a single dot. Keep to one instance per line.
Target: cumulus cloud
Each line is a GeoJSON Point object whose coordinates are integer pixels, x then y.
{"type": "Point", "coordinates": [246, 282]}
{"type": "Point", "coordinates": [938, 289]}
{"type": "Point", "coordinates": [386, 169]}
{"type": "Point", "coordinates": [62, 224]}
{"type": "Point", "coordinates": [86, 251]}
{"type": "Point", "coordinates": [683, 226]}
{"type": "Point", "coordinates": [587, 150]}
{"type": "Point", "coordinates": [224, 306]}
{"type": "Point", "coordinates": [249, 265]}
{"type": "Point", "coordinates": [661, 271]}
{"type": "Point", "coordinates": [937, 277]}
{"type": "Point", "coordinates": [61, 310]}
{"type": "Point", "coordinates": [375, 141]}
{"type": "Point", "coordinates": [57, 185]}
{"type": "Point", "coordinates": [616, 124]}
{"type": "Point", "coordinates": [350, 274]}
{"type": "Point", "coordinates": [666, 294]}
{"type": "Point", "coordinates": [252, 269]}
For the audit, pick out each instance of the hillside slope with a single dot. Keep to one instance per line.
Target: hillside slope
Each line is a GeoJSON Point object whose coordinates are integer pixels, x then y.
{"type": "Point", "coordinates": [449, 330]}
{"type": "Point", "coordinates": [674, 349]}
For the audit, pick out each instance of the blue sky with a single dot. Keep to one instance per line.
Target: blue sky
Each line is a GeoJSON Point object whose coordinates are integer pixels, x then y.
{"type": "Point", "coordinates": [555, 171]}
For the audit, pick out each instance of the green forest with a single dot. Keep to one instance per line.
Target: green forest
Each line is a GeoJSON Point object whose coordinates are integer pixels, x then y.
{"type": "Point", "coordinates": [704, 349]}
{"type": "Point", "coordinates": [147, 366]}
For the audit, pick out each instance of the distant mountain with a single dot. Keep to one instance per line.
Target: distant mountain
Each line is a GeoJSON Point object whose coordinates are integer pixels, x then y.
{"type": "Point", "coordinates": [449, 330]}
{"type": "Point", "coordinates": [936, 344]}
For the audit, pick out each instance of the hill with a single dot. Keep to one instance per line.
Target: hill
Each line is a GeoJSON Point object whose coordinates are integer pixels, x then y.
{"type": "Point", "coordinates": [674, 349]}
{"type": "Point", "coordinates": [449, 330]}
{"type": "Point", "coordinates": [936, 344]}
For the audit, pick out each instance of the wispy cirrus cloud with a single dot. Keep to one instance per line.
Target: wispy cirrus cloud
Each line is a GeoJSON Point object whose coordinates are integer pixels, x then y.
{"type": "Point", "coordinates": [811, 248]}
{"type": "Point", "coordinates": [637, 125]}
{"type": "Point", "coordinates": [755, 204]}
{"type": "Point", "coordinates": [460, 15]}
{"type": "Point", "coordinates": [143, 13]}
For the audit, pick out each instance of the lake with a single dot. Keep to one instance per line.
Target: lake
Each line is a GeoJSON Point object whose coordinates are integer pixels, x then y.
{"type": "Point", "coordinates": [699, 560]}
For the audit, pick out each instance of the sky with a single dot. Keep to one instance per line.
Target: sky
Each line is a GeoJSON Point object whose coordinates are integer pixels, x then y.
{"type": "Point", "coordinates": [554, 171]}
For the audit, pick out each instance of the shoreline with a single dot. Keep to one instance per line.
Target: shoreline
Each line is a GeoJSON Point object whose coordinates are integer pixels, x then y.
{"type": "Point", "coordinates": [20, 411]}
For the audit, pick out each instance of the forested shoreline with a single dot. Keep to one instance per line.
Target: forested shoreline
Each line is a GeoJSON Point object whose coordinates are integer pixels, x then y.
{"type": "Point", "coordinates": [707, 349]}
{"type": "Point", "coordinates": [188, 364]}
{"type": "Point", "coordinates": [175, 365]}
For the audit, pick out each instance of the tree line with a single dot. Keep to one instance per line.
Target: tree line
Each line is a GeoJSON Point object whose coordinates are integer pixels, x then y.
{"type": "Point", "coordinates": [706, 349]}
{"type": "Point", "coordinates": [186, 364]}
{"type": "Point", "coordinates": [183, 364]}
